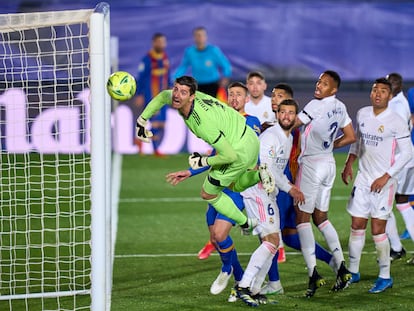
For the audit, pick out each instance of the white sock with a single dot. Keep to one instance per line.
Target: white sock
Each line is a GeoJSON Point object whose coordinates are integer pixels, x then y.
{"type": "Point", "coordinates": [331, 236]}
{"type": "Point", "coordinates": [355, 246]}
{"type": "Point", "coordinates": [307, 244]}
{"type": "Point", "coordinates": [382, 245]}
{"type": "Point", "coordinates": [281, 244]}
{"type": "Point", "coordinates": [392, 233]}
{"type": "Point", "coordinates": [256, 263]}
{"type": "Point", "coordinates": [407, 214]}
{"type": "Point", "coordinates": [256, 286]}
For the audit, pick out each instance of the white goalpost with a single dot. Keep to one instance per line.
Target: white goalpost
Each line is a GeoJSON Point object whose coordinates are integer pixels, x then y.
{"type": "Point", "coordinates": [56, 248]}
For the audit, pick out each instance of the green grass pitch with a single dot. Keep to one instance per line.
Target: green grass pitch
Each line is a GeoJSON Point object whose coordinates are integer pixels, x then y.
{"type": "Point", "coordinates": [161, 228]}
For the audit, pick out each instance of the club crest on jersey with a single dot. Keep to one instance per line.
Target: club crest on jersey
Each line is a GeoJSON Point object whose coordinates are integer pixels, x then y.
{"type": "Point", "coordinates": [381, 129]}
{"type": "Point", "coordinates": [272, 152]}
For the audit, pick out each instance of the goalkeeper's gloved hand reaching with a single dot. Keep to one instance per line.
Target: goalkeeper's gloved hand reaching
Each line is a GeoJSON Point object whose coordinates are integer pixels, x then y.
{"type": "Point", "coordinates": [141, 132]}
{"type": "Point", "coordinates": [197, 161]}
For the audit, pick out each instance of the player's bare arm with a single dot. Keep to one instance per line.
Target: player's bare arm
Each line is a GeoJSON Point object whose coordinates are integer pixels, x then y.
{"type": "Point", "coordinates": [347, 138]}
{"type": "Point", "coordinates": [347, 172]}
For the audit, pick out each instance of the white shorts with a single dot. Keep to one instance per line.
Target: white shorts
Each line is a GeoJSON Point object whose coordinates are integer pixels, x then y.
{"type": "Point", "coordinates": [263, 207]}
{"type": "Point", "coordinates": [364, 204]}
{"type": "Point", "coordinates": [406, 181]}
{"type": "Point", "coordinates": [315, 179]}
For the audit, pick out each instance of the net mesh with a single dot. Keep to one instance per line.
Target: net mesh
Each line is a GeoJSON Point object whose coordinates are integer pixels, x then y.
{"type": "Point", "coordinates": [45, 161]}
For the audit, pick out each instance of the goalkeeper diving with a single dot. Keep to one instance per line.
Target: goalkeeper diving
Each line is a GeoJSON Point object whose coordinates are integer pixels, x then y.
{"type": "Point", "coordinates": [234, 165]}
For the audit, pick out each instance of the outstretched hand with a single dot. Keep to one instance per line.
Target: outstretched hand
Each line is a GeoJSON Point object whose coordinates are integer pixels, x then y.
{"type": "Point", "coordinates": [176, 177]}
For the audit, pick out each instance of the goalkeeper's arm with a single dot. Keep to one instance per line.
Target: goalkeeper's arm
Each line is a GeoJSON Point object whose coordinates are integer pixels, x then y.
{"type": "Point", "coordinates": [152, 108]}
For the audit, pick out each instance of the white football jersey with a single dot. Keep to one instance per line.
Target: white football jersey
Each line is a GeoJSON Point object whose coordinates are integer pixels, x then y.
{"type": "Point", "coordinates": [379, 139]}
{"type": "Point", "coordinates": [275, 149]}
{"type": "Point", "coordinates": [322, 119]}
{"type": "Point", "coordinates": [263, 110]}
{"type": "Point", "coordinates": [400, 105]}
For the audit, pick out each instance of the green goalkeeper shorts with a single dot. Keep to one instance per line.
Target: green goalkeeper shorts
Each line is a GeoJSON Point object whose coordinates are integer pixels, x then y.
{"type": "Point", "coordinates": [222, 176]}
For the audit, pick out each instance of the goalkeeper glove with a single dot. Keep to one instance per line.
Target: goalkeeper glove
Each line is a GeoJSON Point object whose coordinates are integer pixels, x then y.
{"type": "Point", "coordinates": [197, 161]}
{"type": "Point", "coordinates": [142, 133]}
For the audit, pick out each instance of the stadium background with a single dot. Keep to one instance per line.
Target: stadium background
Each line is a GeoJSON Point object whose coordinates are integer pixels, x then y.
{"type": "Point", "coordinates": [290, 41]}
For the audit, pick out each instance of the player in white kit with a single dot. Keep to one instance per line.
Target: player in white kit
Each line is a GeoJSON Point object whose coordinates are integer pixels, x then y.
{"type": "Point", "coordinates": [400, 105]}
{"type": "Point", "coordinates": [275, 147]}
{"type": "Point", "coordinates": [383, 148]}
{"type": "Point", "coordinates": [259, 105]}
{"type": "Point", "coordinates": [323, 116]}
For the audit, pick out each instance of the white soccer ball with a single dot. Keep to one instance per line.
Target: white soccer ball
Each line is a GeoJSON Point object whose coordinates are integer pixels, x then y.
{"type": "Point", "coordinates": [121, 85]}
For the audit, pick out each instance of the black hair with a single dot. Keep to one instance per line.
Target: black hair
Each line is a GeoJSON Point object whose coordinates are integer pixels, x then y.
{"type": "Point", "coordinates": [289, 102]}
{"type": "Point", "coordinates": [188, 81]}
{"type": "Point", "coordinates": [335, 76]}
{"type": "Point", "coordinates": [284, 86]}
{"type": "Point", "coordinates": [396, 81]}
{"type": "Point", "coordinates": [238, 84]}
{"type": "Point", "coordinates": [385, 81]}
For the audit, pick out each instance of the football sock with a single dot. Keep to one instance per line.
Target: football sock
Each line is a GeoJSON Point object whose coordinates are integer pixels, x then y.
{"type": "Point", "coordinates": [261, 275]}
{"type": "Point", "coordinates": [225, 249]}
{"type": "Point", "coordinates": [265, 252]}
{"type": "Point", "coordinates": [246, 180]}
{"type": "Point", "coordinates": [258, 266]}
{"type": "Point", "coordinates": [225, 206]}
{"type": "Point", "coordinates": [274, 269]}
{"type": "Point", "coordinates": [237, 268]}
{"type": "Point", "coordinates": [322, 254]}
{"type": "Point", "coordinates": [355, 246]}
{"type": "Point", "coordinates": [331, 237]}
{"type": "Point", "coordinates": [382, 245]}
{"type": "Point", "coordinates": [292, 240]}
{"type": "Point", "coordinates": [407, 214]}
{"type": "Point", "coordinates": [392, 233]}
{"type": "Point", "coordinates": [307, 242]}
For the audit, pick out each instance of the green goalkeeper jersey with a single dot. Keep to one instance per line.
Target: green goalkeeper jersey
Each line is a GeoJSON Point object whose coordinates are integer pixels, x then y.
{"type": "Point", "coordinates": [219, 125]}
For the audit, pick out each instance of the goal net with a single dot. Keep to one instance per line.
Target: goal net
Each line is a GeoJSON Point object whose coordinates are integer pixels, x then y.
{"type": "Point", "coordinates": [55, 161]}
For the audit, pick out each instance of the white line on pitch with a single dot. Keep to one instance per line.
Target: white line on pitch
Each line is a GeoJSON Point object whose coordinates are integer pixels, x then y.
{"type": "Point", "coordinates": [190, 199]}
{"type": "Point", "coordinates": [194, 255]}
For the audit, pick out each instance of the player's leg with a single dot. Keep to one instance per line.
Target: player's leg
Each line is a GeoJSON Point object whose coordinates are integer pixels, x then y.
{"type": "Point", "coordinates": [358, 207]}
{"type": "Point", "coordinates": [209, 247]}
{"type": "Point", "coordinates": [273, 286]}
{"type": "Point", "coordinates": [327, 172]}
{"type": "Point", "coordinates": [382, 207]}
{"type": "Point", "coordinates": [225, 176]}
{"type": "Point", "coordinates": [225, 246]}
{"type": "Point", "coordinates": [382, 246]}
{"type": "Point", "coordinates": [407, 213]}
{"type": "Point", "coordinates": [290, 234]}
{"type": "Point", "coordinates": [308, 182]}
{"type": "Point", "coordinates": [397, 250]}
{"type": "Point", "coordinates": [258, 203]}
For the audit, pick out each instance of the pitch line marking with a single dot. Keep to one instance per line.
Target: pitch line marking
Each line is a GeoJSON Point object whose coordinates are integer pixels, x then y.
{"type": "Point", "coordinates": [190, 199]}
{"type": "Point", "coordinates": [125, 256]}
